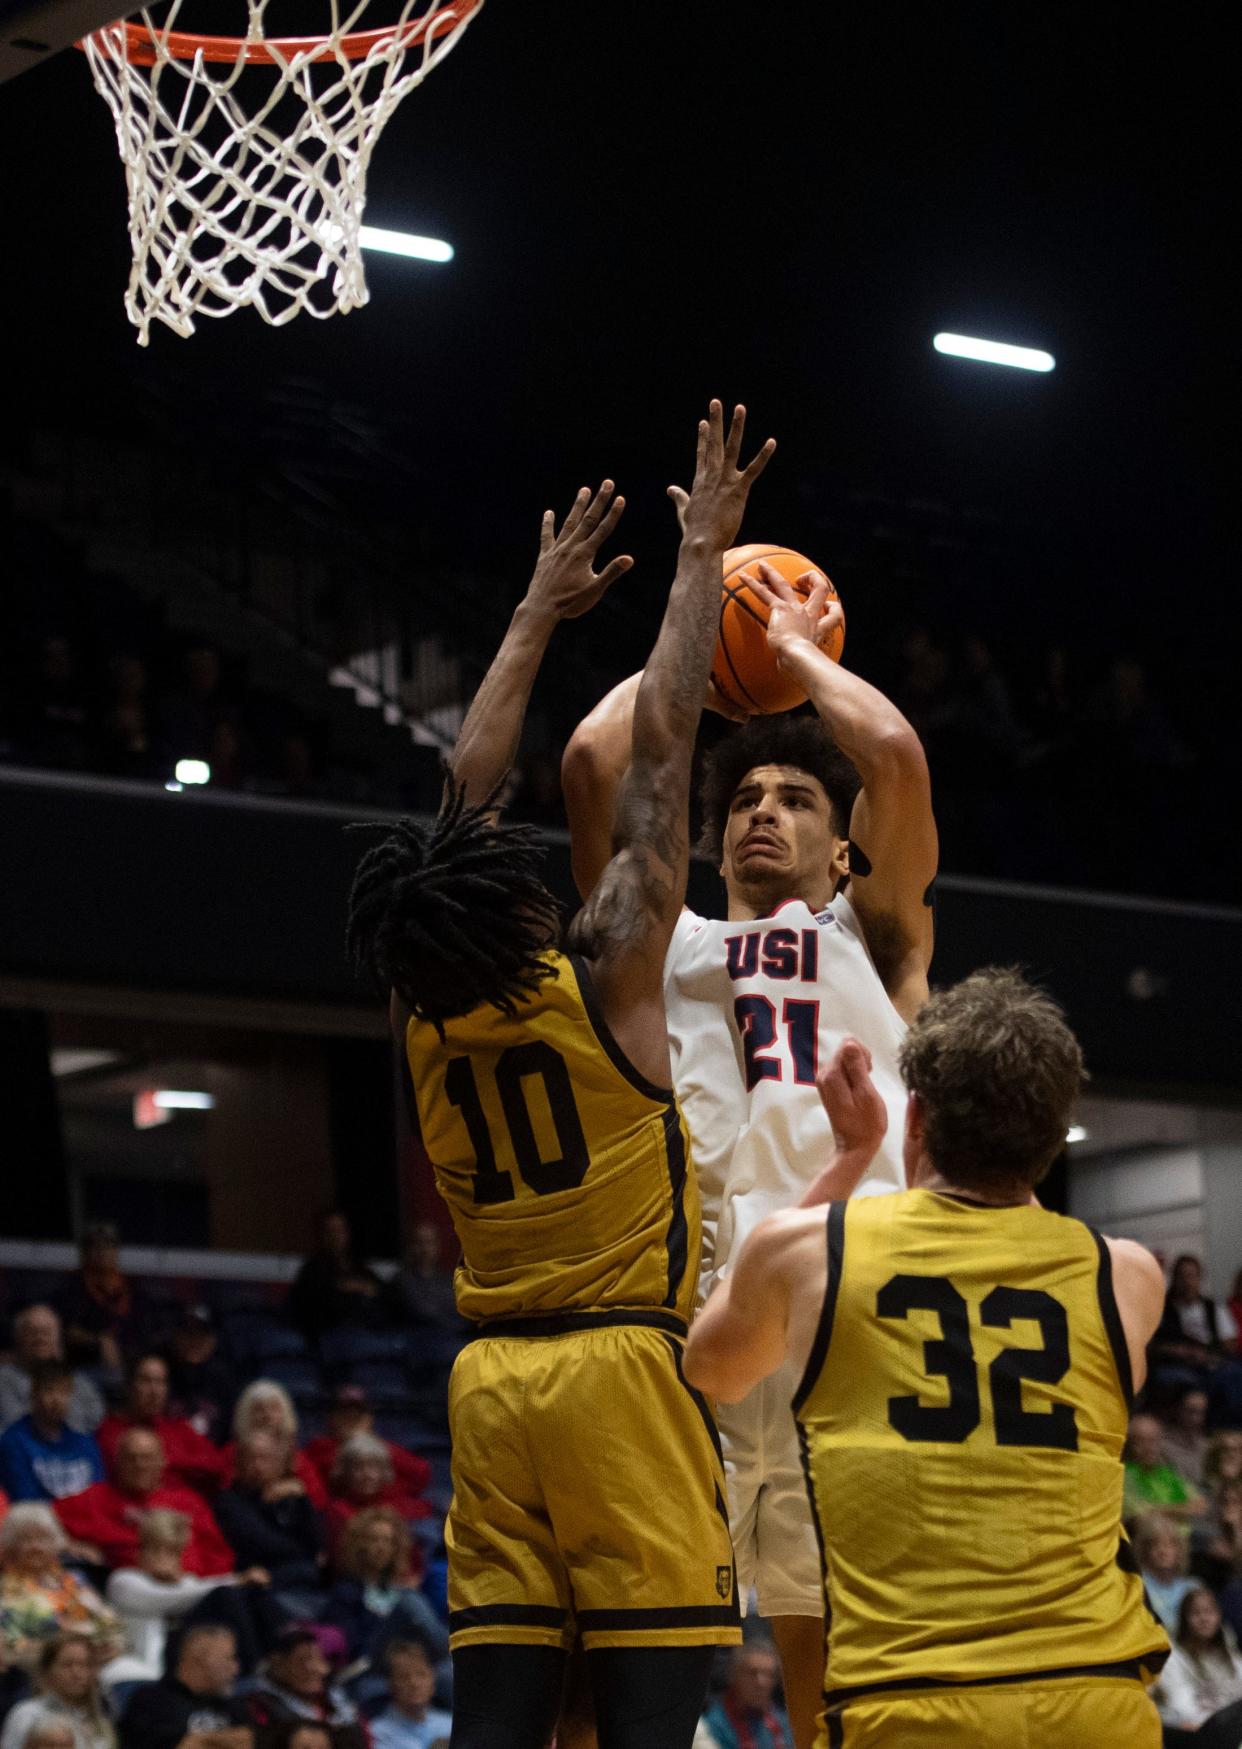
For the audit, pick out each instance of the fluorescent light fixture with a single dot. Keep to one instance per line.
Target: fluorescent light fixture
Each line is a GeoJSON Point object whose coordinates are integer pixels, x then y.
{"type": "Point", "coordinates": [170, 1099]}
{"type": "Point", "coordinates": [994, 352]}
{"type": "Point", "coordinates": [404, 243]}
{"type": "Point", "coordinates": [192, 771]}
{"type": "Point", "coordinates": [1075, 1133]}
{"type": "Point", "coordinates": [76, 1061]}
{"type": "Point", "coordinates": [174, 788]}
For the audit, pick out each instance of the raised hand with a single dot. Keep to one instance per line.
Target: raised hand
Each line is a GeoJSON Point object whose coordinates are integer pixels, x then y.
{"type": "Point", "coordinates": [859, 1117]}
{"type": "Point", "coordinates": [794, 618]}
{"type": "Point", "coordinates": [565, 583]}
{"type": "Point", "coordinates": [712, 510]}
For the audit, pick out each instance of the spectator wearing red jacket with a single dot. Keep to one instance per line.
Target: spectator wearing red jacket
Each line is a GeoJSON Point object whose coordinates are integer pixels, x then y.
{"type": "Point", "coordinates": [350, 1414]}
{"type": "Point", "coordinates": [189, 1458]}
{"type": "Point", "coordinates": [363, 1476]}
{"type": "Point", "coordinates": [266, 1407]}
{"type": "Point", "coordinates": [107, 1517]}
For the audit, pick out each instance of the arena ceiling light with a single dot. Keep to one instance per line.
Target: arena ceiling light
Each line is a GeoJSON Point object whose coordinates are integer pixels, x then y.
{"type": "Point", "coordinates": [192, 771]}
{"type": "Point", "coordinates": [994, 352]}
{"type": "Point", "coordinates": [174, 1099]}
{"type": "Point", "coordinates": [404, 243]}
{"type": "Point", "coordinates": [1075, 1133]}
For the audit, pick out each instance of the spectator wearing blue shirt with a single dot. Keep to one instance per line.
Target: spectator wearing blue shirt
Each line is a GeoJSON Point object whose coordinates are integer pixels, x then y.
{"type": "Point", "coordinates": [745, 1716]}
{"type": "Point", "coordinates": [41, 1456]}
{"type": "Point", "coordinates": [410, 1721]}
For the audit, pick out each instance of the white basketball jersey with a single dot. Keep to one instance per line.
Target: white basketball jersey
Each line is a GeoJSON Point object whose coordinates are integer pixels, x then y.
{"type": "Point", "coordinates": [754, 1008]}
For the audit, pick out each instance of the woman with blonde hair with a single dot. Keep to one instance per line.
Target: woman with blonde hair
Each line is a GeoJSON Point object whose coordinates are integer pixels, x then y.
{"type": "Point", "coordinates": [266, 1407]}
{"type": "Point", "coordinates": [376, 1600]}
{"type": "Point", "coordinates": [69, 1692]}
{"type": "Point", "coordinates": [39, 1597]}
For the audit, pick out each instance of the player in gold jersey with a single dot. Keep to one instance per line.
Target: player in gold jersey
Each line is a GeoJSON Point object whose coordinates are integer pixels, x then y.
{"type": "Point", "coordinates": [588, 1485]}
{"type": "Point", "coordinates": [967, 1364]}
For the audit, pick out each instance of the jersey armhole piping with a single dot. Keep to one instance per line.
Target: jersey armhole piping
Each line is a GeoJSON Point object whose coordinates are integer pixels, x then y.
{"type": "Point", "coordinates": [823, 1330]}
{"type": "Point", "coordinates": [603, 1033]}
{"type": "Point", "coordinates": [1113, 1326]}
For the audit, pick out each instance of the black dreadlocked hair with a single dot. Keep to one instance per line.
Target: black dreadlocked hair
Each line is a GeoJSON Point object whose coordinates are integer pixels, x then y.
{"type": "Point", "coordinates": [802, 741]}
{"type": "Point", "coordinates": [455, 914]}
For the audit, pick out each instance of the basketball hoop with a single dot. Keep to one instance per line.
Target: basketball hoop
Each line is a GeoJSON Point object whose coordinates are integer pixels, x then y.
{"type": "Point", "coordinates": [247, 185]}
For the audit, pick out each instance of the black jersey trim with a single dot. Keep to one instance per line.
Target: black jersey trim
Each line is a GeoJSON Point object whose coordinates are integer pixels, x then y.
{"type": "Point", "coordinates": [677, 1244]}
{"type": "Point", "coordinates": [507, 1615]}
{"type": "Point", "coordinates": [724, 1615]}
{"type": "Point", "coordinates": [564, 1323]}
{"type": "Point", "coordinates": [697, 1398]}
{"type": "Point", "coordinates": [603, 1032]}
{"type": "Point", "coordinates": [1112, 1318]}
{"type": "Point", "coordinates": [823, 1331]}
{"type": "Point", "coordinates": [1131, 1670]}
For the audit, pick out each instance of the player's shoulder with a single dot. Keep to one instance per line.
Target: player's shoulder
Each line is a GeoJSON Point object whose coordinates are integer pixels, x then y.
{"type": "Point", "coordinates": [1136, 1262]}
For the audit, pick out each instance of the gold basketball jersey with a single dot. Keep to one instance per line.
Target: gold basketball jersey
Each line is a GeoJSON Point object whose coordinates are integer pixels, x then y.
{"type": "Point", "coordinates": [961, 1419]}
{"type": "Point", "coordinates": [566, 1173]}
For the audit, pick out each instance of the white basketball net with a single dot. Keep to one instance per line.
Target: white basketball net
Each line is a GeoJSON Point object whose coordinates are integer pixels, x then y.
{"type": "Point", "coordinates": [247, 182]}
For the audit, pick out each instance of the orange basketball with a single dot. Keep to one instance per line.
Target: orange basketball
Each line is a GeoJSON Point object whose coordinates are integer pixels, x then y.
{"type": "Point", "coordinates": [744, 669]}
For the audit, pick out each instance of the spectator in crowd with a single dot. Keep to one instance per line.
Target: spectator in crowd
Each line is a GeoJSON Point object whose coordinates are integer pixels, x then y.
{"type": "Point", "coordinates": [38, 1336]}
{"type": "Point", "coordinates": [1233, 1306]}
{"type": "Point", "coordinates": [101, 1311]}
{"type": "Point", "coordinates": [69, 1693]}
{"type": "Point", "coordinates": [1160, 1550]}
{"type": "Point", "coordinates": [1149, 1480]}
{"type": "Point", "coordinates": [204, 1386]}
{"type": "Point", "coordinates": [410, 1721]}
{"type": "Point", "coordinates": [334, 1286]}
{"type": "Point", "coordinates": [40, 1598]}
{"type": "Point", "coordinates": [421, 1292]}
{"type": "Point", "coordinates": [127, 743]}
{"type": "Point", "coordinates": [746, 1716]}
{"type": "Point", "coordinates": [191, 712]}
{"type": "Point", "coordinates": [50, 1732]}
{"type": "Point", "coordinates": [1204, 1673]}
{"type": "Point", "coordinates": [352, 1414]}
{"type": "Point", "coordinates": [363, 1476]}
{"type": "Point", "coordinates": [1185, 1436]}
{"type": "Point", "coordinates": [106, 1517]}
{"type": "Point", "coordinates": [153, 1597]}
{"type": "Point", "coordinates": [1222, 1461]}
{"type": "Point", "coordinates": [192, 1706]}
{"type": "Point", "coordinates": [54, 726]}
{"type": "Point", "coordinates": [303, 1734]}
{"type": "Point", "coordinates": [266, 1516]}
{"type": "Point", "coordinates": [377, 1599]}
{"type": "Point", "coordinates": [1216, 1539]}
{"type": "Point", "coordinates": [266, 1407]}
{"type": "Point", "coordinates": [295, 1687]}
{"type": "Point", "coordinates": [1195, 1334]}
{"type": "Point", "coordinates": [189, 1459]}
{"type": "Point", "coordinates": [41, 1456]}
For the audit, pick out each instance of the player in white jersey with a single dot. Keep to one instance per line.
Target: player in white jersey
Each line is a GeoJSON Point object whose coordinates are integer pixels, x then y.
{"type": "Point", "coordinates": [824, 834]}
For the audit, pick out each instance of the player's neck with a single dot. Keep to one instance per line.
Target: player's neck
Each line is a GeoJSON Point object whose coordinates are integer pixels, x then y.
{"type": "Point", "coordinates": [748, 903]}
{"type": "Point", "coordinates": [1011, 1196]}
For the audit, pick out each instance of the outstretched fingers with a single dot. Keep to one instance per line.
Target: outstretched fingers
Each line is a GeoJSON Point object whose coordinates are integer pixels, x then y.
{"type": "Point", "coordinates": [613, 569]}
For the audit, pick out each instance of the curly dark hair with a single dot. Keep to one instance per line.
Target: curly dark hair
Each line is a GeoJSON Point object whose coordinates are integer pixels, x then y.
{"type": "Point", "coordinates": [801, 741]}
{"type": "Point", "coordinates": [997, 1070]}
{"type": "Point", "coordinates": [453, 914]}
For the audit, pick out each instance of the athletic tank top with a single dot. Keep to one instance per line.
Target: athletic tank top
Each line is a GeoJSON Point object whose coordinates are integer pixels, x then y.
{"type": "Point", "coordinates": [754, 1008]}
{"type": "Point", "coordinates": [961, 1421]}
{"type": "Point", "coordinates": [565, 1172]}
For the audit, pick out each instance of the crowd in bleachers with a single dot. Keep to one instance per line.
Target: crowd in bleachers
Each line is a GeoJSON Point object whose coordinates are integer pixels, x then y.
{"type": "Point", "coordinates": [1183, 1506]}
{"type": "Point", "coordinates": [232, 1502]}
{"type": "Point", "coordinates": [1045, 759]}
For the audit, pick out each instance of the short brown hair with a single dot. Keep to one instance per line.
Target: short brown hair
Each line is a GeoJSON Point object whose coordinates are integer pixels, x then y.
{"type": "Point", "coordinates": [996, 1070]}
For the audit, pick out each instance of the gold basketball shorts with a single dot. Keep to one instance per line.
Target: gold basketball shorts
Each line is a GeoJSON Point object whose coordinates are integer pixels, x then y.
{"type": "Point", "coordinates": [588, 1490]}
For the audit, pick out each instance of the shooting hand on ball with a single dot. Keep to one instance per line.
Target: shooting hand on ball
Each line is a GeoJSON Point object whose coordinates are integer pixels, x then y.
{"type": "Point", "coordinates": [794, 618]}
